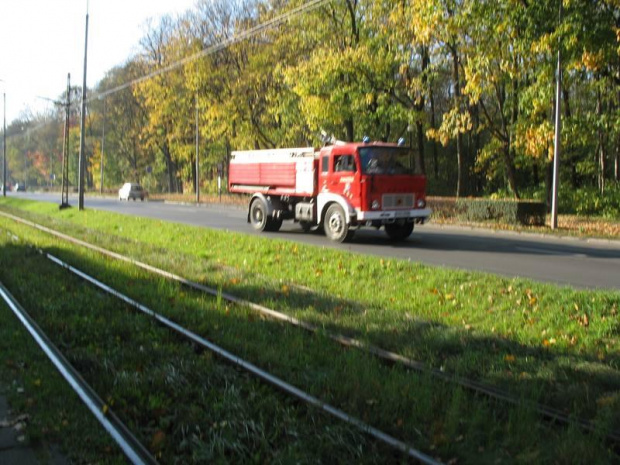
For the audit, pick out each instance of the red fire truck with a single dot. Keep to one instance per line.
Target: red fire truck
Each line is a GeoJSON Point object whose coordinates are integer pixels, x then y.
{"type": "Point", "coordinates": [342, 187]}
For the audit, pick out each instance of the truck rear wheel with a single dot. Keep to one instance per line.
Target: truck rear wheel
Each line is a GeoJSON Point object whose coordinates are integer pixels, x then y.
{"type": "Point", "coordinates": [335, 224]}
{"type": "Point", "coordinates": [399, 231]}
{"type": "Point", "coordinates": [260, 220]}
{"type": "Point", "coordinates": [273, 225]}
{"type": "Point", "coordinates": [258, 215]}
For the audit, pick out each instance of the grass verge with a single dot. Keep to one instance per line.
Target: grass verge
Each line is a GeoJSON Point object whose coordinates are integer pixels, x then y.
{"type": "Point", "coordinates": [540, 342]}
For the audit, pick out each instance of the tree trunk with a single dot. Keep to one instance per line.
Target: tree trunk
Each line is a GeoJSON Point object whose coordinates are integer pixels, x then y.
{"type": "Point", "coordinates": [434, 142]}
{"type": "Point", "coordinates": [348, 124]}
{"type": "Point", "coordinates": [171, 172]}
{"type": "Point", "coordinates": [569, 155]}
{"type": "Point", "coordinates": [475, 144]}
{"type": "Point", "coordinates": [420, 130]}
{"type": "Point", "coordinates": [460, 183]}
{"type": "Point", "coordinates": [617, 161]}
{"type": "Point", "coordinates": [617, 154]}
{"type": "Point", "coordinates": [549, 182]}
{"type": "Point", "coordinates": [602, 155]}
{"type": "Point", "coordinates": [420, 110]}
{"type": "Point", "coordinates": [510, 169]}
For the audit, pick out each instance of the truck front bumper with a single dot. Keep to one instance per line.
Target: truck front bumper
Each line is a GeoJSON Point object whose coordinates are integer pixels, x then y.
{"type": "Point", "coordinates": [422, 214]}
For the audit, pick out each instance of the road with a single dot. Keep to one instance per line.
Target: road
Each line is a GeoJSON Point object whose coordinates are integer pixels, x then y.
{"type": "Point", "coordinates": [564, 261]}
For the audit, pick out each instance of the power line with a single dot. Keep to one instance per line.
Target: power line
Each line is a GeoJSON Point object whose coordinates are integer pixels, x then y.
{"type": "Point", "coordinates": [240, 37]}
{"type": "Point", "coordinates": [312, 5]}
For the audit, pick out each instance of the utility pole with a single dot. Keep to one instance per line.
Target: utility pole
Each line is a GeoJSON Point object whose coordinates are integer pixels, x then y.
{"type": "Point", "coordinates": [83, 125]}
{"type": "Point", "coordinates": [4, 150]}
{"type": "Point", "coordinates": [64, 203]}
{"type": "Point", "coordinates": [557, 143]}
{"type": "Point", "coordinates": [102, 146]}
{"type": "Point", "coordinates": [197, 151]}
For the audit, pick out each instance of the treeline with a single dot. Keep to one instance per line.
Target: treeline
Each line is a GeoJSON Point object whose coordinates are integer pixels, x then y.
{"type": "Point", "coordinates": [469, 83]}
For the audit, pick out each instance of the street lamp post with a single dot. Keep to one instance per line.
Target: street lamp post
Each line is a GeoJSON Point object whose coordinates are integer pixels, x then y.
{"type": "Point", "coordinates": [82, 161]}
{"type": "Point", "coordinates": [4, 149]}
{"type": "Point", "coordinates": [557, 143]}
{"type": "Point", "coordinates": [197, 152]}
{"type": "Point", "coordinates": [102, 147]}
{"type": "Point", "coordinates": [4, 146]}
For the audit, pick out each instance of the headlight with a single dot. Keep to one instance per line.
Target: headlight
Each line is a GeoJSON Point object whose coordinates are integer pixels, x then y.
{"type": "Point", "coordinates": [421, 203]}
{"type": "Point", "coordinates": [375, 205]}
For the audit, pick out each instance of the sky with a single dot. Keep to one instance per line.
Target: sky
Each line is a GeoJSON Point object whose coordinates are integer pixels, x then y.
{"type": "Point", "coordinates": [43, 40]}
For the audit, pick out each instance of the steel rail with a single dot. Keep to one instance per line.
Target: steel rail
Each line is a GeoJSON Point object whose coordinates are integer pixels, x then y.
{"type": "Point", "coordinates": [253, 369]}
{"type": "Point", "coordinates": [482, 388]}
{"type": "Point", "coordinates": [131, 447]}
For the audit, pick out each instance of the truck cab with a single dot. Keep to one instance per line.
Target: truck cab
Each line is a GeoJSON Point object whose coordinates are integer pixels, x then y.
{"type": "Point", "coordinates": [374, 184]}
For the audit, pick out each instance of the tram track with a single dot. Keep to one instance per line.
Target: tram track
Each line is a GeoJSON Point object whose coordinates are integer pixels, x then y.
{"type": "Point", "coordinates": [490, 391]}
{"type": "Point", "coordinates": [134, 451]}
{"type": "Point", "coordinates": [253, 369]}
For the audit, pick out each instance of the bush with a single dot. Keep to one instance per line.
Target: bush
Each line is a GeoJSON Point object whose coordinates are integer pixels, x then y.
{"type": "Point", "coordinates": [506, 211]}
{"type": "Point", "coordinates": [588, 201]}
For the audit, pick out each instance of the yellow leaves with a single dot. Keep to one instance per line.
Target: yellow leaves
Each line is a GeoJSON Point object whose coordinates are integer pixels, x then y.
{"type": "Point", "coordinates": [509, 358]}
{"type": "Point", "coordinates": [443, 297]}
{"type": "Point", "coordinates": [537, 140]}
{"type": "Point", "coordinates": [592, 61]}
{"type": "Point", "coordinates": [454, 123]}
{"type": "Point", "coordinates": [545, 45]}
{"type": "Point", "coordinates": [549, 342]}
{"type": "Point", "coordinates": [285, 290]}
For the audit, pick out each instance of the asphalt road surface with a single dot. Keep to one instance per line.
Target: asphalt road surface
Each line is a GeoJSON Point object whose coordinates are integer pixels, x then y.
{"type": "Point", "coordinates": [564, 261]}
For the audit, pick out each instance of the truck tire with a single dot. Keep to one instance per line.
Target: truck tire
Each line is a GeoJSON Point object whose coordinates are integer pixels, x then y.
{"type": "Point", "coordinates": [260, 220]}
{"type": "Point", "coordinates": [306, 226]}
{"type": "Point", "coordinates": [258, 215]}
{"type": "Point", "coordinates": [335, 224]}
{"type": "Point", "coordinates": [399, 231]}
{"type": "Point", "coordinates": [273, 225]}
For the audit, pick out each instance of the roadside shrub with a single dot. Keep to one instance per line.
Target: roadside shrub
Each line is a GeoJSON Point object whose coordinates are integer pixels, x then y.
{"type": "Point", "coordinates": [525, 212]}
{"type": "Point", "coordinates": [507, 211]}
{"type": "Point", "coordinates": [588, 201]}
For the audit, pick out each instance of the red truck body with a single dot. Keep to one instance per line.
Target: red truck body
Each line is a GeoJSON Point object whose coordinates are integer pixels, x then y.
{"type": "Point", "coordinates": [342, 187]}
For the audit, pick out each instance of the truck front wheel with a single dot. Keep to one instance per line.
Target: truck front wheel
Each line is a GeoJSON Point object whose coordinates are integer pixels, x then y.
{"type": "Point", "coordinates": [335, 224]}
{"type": "Point", "coordinates": [399, 231]}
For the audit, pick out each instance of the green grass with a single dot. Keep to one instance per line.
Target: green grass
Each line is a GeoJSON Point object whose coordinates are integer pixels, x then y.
{"type": "Point", "coordinates": [543, 343]}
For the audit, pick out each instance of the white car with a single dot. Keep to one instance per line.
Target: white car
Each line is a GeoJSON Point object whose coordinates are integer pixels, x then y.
{"type": "Point", "coordinates": [131, 191]}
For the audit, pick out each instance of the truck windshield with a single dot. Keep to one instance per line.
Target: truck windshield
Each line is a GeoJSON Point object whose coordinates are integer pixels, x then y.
{"type": "Point", "coordinates": [386, 160]}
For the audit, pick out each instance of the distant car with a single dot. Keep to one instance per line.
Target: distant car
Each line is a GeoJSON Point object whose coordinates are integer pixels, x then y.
{"type": "Point", "coordinates": [132, 191]}
{"type": "Point", "coordinates": [19, 188]}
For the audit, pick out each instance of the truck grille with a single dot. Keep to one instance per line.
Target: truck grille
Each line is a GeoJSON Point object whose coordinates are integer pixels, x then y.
{"type": "Point", "coordinates": [396, 201]}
